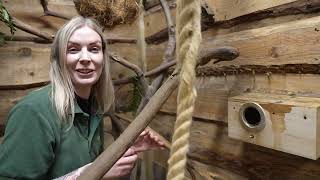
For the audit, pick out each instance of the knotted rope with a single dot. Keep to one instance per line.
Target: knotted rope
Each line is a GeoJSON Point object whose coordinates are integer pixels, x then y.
{"type": "Point", "coordinates": [188, 40]}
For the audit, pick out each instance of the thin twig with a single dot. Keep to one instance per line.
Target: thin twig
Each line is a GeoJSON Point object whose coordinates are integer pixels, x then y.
{"type": "Point", "coordinates": [47, 12]}
{"type": "Point", "coordinates": [115, 57]}
{"type": "Point", "coordinates": [131, 66]}
{"type": "Point", "coordinates": [161, 68]}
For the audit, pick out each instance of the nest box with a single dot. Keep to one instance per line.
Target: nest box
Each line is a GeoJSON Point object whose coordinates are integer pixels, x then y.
{"type": "Point", "coordinates": [281, 122]}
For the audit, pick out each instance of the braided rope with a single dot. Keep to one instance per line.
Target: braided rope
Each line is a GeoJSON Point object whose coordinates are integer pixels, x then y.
{"type": "Point", "coordinates": [188, 42]}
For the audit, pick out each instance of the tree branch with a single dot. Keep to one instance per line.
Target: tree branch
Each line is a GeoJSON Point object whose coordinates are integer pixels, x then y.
{"type": "Point", "coordinates": [133, 67]}
{"type": "Point", "coordinates": [161, 68]}
{"type": "Point", "coordinates": [29, 29]}
{"type": "Point", "coordinates": [226, 53]}
{"type": "Point", "coordinates": [47, 12]}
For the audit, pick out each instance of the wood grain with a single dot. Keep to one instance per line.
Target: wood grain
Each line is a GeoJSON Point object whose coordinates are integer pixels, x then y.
{"type": "Point", "coordinates": [225, 10]}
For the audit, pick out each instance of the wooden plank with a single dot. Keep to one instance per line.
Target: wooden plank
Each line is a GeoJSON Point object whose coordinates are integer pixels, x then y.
{"type": "Point", "coordinates": [225, 10]}
{"type": "Point", "coordinates": [210, 172]}
{"type": "Point", "coordinates": [249, 160]}
{"type": "Point", "coordinates": [285, 43]}
{"type": "Point", "coordinates": [24, 63]}
{"type": "Point", "coordinates": [154, 21]}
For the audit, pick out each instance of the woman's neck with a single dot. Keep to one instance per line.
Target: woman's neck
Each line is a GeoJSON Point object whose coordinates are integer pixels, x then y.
{"type": "Point", "coordinates": [83, 92]}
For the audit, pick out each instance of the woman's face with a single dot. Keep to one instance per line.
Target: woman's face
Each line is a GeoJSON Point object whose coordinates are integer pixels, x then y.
{"type": "Point", "coordinates": [84, 57]}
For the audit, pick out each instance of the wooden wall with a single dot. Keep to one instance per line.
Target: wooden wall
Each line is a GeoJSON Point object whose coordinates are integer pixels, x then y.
{"type": "Point", "coordinates": [279, 50]}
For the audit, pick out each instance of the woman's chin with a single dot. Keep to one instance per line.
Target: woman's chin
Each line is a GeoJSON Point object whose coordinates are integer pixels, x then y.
{"type": "Point", "coordinates": [85, 83]}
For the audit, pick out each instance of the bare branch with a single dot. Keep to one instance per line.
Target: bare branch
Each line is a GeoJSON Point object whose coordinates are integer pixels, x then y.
{"type": "Point", "coordinates": [47, 12]}
{"type": "Point", "coordinates": [133, 67]}
{"type": "Point", "coordinates": [118, 82]}
{"type": "Point", "coordinates": [226, 53]}
{"type": "Point", "coordinates": [29, 29]}
{"type": "Point", "coordinates": [125, 63]}
{"type": "Point", "coordinates": [160, 68]}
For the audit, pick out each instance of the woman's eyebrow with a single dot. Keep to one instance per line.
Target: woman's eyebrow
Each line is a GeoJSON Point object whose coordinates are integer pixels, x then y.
{"type": "Point", "coordinates": [95, 42]}
{"type": "Point", "coordinates": [72, 43]}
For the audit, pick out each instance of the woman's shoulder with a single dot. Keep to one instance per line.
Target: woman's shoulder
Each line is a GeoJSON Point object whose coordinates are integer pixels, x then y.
{"type": "Point", "coordinates": [38, 101]}
{"type": "Point", "coordinates": [34, 108]}
{"type": "Point", "coordinates": [39, 98]}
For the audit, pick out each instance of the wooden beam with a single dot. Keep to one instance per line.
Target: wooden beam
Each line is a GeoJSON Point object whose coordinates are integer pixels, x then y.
{"type": "Point", "coordinates": [294, 42]}
{"type": "Point", "coordinates": [211, 172]}
{"type": "Point", "coordinates": [225, 10]}
{"type": "Point", "coordinates": [24, 63]}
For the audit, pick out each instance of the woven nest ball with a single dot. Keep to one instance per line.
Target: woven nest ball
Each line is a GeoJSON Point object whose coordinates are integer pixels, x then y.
{"type": "Point", "coordinates": [108, 12]}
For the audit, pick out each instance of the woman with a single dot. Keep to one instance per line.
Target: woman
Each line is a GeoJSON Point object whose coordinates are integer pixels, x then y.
{"type": "Point", "coordinates": [58, 129]}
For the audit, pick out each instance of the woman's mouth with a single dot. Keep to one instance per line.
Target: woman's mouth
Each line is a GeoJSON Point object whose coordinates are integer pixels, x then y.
{"type": "Point", "coordinates": [84, 71]}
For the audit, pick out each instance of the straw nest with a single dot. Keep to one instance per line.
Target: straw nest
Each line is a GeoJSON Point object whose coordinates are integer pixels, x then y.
{"type": "Point", "coordinates": [108, 12]}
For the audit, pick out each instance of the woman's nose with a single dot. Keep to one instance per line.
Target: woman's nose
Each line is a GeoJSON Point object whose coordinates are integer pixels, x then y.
{"type": "Point", "coordinates": [84, 56]}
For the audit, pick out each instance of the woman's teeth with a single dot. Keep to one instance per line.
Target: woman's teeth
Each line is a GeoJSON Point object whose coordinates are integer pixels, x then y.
{"type": "Point", "coordinates": [85, 71]}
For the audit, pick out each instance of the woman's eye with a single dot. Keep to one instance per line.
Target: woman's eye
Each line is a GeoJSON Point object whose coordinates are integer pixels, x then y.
{"type": "Point", "coordinates": [72, 50]}
{"type": "Point", "coordinates": [95, 49]}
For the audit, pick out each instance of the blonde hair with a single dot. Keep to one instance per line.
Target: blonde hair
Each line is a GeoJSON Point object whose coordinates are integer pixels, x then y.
{"type": "Point", "coordinates": [62, 87]}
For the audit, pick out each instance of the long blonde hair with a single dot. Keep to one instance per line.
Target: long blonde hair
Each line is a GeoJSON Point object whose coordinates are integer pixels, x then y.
{"type": "Point", "coordinates": [62, 87]}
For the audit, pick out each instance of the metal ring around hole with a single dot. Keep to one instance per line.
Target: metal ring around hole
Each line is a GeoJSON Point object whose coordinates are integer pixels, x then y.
{"type": "Point", "coordinates": [244, 122]}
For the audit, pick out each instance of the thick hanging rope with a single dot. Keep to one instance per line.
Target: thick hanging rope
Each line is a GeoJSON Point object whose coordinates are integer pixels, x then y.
{"type": "Point", "coordinates": [188, 41]}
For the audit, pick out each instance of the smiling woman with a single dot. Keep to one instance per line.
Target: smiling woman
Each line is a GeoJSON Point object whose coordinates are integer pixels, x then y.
{"type": "Point", "coordinates": [84, 60]}
{"type": "Point", "coordinates": [57, 131]}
